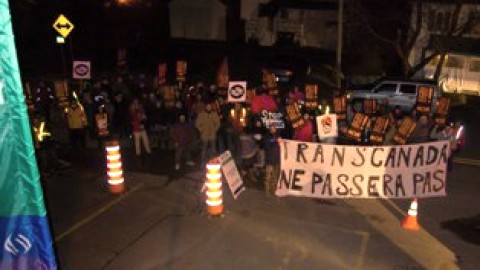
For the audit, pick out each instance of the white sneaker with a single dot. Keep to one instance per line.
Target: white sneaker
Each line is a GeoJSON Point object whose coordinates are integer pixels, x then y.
{"type": "Point", "coordinates": [177, 167]}
{"type": "Point", "coordinates": [190, 163]}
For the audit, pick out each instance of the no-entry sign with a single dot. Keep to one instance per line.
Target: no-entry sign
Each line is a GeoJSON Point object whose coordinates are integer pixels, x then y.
{"type": "Point", "coordinates": [81, 70]}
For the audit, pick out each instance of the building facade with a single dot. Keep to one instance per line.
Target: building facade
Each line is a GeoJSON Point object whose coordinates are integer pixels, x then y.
{"type": "Point", "coordinates": [301, 23]}
{"type": "Point", "coordinates": [461, 69]}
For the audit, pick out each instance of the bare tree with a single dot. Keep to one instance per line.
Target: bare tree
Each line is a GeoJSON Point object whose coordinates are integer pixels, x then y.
{"type": "Point", "coordinates": [405, 38]}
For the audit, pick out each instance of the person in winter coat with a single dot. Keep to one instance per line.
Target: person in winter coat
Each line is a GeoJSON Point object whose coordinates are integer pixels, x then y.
{"type": "Point", "coordinates": [182, 134]}
{"type": "Point", "coordinates": [272, 161]}
{"type": "Point", "coordinates": [207, 123]}
{"type": "Point", "coordinates": [137, 118]}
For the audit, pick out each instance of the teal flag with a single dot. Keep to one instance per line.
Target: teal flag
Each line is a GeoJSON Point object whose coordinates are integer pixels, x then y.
{"type": "Point", "coordinates": [25, 237]}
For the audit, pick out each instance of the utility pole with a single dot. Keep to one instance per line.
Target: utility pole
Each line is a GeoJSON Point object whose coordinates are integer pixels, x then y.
{"type": "Point", "coordinates": [339, 44]}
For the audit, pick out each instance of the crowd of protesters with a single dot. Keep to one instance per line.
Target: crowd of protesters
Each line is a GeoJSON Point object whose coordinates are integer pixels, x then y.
{"type": "Point", "coordinates": [199, 124]}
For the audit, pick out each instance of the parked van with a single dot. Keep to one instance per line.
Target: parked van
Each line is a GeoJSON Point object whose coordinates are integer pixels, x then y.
{"type": "Point", "coordinates": [460, 74]}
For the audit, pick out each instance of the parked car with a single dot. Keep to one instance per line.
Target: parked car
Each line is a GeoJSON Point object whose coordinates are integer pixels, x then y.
{"type": "Point", "coordinates": [391, 92]}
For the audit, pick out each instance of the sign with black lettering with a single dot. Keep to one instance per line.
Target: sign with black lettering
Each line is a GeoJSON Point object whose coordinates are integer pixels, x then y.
{"type": "Point", "coordinates": [230, 172]}
{"type": "Point", "coordinates": [340, 171]}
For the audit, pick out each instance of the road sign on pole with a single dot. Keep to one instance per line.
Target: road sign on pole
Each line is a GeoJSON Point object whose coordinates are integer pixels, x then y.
{"type": "Point", "coordinates": [63, 26]}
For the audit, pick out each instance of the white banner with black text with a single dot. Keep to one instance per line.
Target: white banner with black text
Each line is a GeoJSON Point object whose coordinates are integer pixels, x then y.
{"type": "Point", "coordinates": [351, 171]}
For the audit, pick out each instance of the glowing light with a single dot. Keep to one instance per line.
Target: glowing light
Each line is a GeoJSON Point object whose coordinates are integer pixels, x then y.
{"type": "Point", "coordinates": [459, 133]}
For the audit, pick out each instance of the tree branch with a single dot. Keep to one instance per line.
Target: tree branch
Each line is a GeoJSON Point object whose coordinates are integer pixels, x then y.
{"type": "Point", "coordinates": [418, 27]}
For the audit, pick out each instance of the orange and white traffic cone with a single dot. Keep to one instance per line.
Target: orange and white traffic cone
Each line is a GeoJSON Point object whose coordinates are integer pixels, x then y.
{"type": "Point", "coordinates": [214, 188]}
{"type": "Point", "coordinates": [114, 168]}
{"type": "Point", "coordinates": [410, 222]}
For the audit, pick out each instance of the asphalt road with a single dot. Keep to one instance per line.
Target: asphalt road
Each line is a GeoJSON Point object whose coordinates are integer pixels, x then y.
{"type": "Point", "coordinates": [160, 222]}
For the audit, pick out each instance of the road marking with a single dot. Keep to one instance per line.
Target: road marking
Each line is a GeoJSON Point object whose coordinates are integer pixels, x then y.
{"type": "Point", "coordinates": [363, 249]}
{"type": "Point", "coordinates": [95, 214]}
{"type": "Point", "coordinates": [421, 246]}
{"type": "Point", "coordinates": [467, 161]}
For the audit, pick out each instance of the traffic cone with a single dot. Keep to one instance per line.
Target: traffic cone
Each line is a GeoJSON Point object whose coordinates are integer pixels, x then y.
{"type": "Point", "coordinates": [410, 222]}
{"type": "Point", "coordinates": [114, 168]}
{"type": "Point", "coordinates": [214, 188]}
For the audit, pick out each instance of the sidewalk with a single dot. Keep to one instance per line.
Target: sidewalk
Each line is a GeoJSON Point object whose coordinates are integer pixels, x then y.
{"type": "Point", "coordinates": [162, 225]}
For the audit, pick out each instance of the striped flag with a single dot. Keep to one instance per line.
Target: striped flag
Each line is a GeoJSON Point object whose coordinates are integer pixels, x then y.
{"type": "Point", "coordinates": [25, 237]}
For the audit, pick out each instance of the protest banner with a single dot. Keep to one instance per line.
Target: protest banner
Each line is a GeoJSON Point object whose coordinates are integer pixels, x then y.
{"type": "Point", "coordinates": [230, 172]}
{"type": "Point", "coordinates": [340, 171]}
{"type": "Point", "coordinates": [327, 126]}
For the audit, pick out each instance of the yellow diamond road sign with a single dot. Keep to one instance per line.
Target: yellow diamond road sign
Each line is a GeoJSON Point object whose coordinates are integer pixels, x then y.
{"type": "Point", "coordinates": [63, 26]}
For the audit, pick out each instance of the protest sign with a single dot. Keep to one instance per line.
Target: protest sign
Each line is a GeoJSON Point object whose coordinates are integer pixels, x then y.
{"type": "Point", "coordinates": [311, 96]}
{"type": "Point", "coordinates": [442, 111]}
{"type": "Point", "coordinates": [340, 107]}
{"type": "Point", "coordinates": [181, 70]}
{"type": "Point", "coordinates": [356, 128]}
{"type": "Point", "coordinates": [230, 171]}
{"type": "Point", "coordinates": [340, 171]}
{"type": "Point", "coordinates": [424, 99]}
{"type": "Point", "coordinates": [272, 119]}
{"type": "Point", "coordinates": [162, 74]}
{"type": "Point", "coordinates": [407, 126]}
{"type": "Point", "coordinates": [82, 70]}
{"type": "Point", "coordinates": [222, 74]}
{"type": "Point", "coordinates": [370, 106]}
{"type": "Point", "coordinates": [327, 126]}
{"type": "Point", "coordinates": [377, 136]}
{"type": "Point", "coordinates": [294, 115]}
{"type": "Point", "coordinates": [237, 91]}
